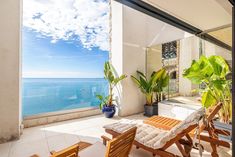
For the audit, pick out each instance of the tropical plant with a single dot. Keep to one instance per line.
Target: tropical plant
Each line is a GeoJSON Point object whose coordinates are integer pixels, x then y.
{"type": "Point", "coordinates": [110, 75]}
{"type": "Point", "coordinates": [211, 73]}
{"type": "Point", "coordinates": [162, 82]}
{"type": "Point", "coordinates": [155, 83]}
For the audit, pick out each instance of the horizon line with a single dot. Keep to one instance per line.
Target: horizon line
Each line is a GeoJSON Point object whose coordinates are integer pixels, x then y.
{"type": "Point", "coordinates": [62, 77]}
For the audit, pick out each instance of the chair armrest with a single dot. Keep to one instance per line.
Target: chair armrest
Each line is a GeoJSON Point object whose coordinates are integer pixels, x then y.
{"type": "Point", "coordinates": [105, 139]}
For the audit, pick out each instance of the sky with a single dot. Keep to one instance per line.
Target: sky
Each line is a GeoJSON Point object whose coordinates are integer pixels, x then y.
{"type": "Point", "coordinates": [65, 38]}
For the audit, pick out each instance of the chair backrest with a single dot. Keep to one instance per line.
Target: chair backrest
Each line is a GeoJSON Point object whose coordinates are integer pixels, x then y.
{"type": "Point", "coordinates": [71, 151]}
{"type": "Point", "coordinates": [180, 130]}
{"type": "Point", "coordinates": [121, 145]}
{"type": "Point", "coordinates": [212, 114]}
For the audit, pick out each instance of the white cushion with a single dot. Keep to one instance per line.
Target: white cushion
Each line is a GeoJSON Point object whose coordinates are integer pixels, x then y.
{"type": "Point", "coordinates": [96, 150]}
{"type": "Point", "coordinates": [151, 136]}
{"type": "Point", "coordinates": [192, 119]}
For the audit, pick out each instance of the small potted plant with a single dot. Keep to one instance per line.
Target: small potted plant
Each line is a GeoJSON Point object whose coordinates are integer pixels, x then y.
{"type": "Point", "coordinates": [148, 87]}
{"type": "Point", "coordinates": [162, 82]}
{"type": "Point", "coordinates": [106, 103]}
{"type": "Point", "coordinates": [211, 73]}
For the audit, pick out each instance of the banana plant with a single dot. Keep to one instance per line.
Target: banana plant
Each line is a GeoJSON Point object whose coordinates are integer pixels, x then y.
{"type": "Point", "coordinates": [162, 82]}
{"type": "Point", "coordinates": [212, 73]}
{"type": "Point", "coordinates": [154, 84]}
{"type": "Point", "coordinates": [113, 79]}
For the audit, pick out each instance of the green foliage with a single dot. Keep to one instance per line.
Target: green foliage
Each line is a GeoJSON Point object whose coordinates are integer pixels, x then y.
{"type": "Point", "coordinates": [103, 100]}
{"type": "Point", "coordinates": [155, 83]}
{"type": "Point", "coordinates": [211, 72]}
{"type": "Point", "coordinates": [113, 79]}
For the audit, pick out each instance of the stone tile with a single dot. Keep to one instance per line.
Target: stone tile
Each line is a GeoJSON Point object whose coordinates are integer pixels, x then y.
{"type": "Point", "coordinates": [57, 136]}
{"type": "Point", "coordinates": [90, 135]}
{"type": "Point", "coordinates": [32, 134]}
{"type": "Point", "coordinates": [71, 139]}
{"type": "Point", "coordinates": [56, 143]}
{"type": "Point", "coordinates": [27, 149]}
{"type": "Point", "coordinates": [5, 149]}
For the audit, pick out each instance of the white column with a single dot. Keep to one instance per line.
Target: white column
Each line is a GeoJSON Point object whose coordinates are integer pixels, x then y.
{"type": "Point", "coordinates": [10, 106]}
{"type": "Point", "coordinates": [189, 51]}
{"type": "Point", "coordinates": [126, 58]}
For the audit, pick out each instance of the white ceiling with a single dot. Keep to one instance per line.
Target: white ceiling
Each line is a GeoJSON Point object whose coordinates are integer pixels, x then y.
{"type": "Point", "coordinates": [143, 30]}
{"type": "Point", "coordinates": [203, 14]}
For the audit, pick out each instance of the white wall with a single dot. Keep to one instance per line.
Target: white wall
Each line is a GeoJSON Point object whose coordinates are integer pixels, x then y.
{"type": "Point", "coordinates": [212, 49]}
{"type": "Point", "coordinates": [126, 59]}
{"type": "Point", "coordinates": [132, 33]}
{"type": "Point", "coordinates": [189, 51]}
{"type": "Point", "coordinates": [10, 111]}
{"type": "Point", "coordinates": [154, 59]}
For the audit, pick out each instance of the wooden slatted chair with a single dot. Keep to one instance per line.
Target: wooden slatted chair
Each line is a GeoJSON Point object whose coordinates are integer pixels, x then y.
{"type": "Point", "coordinates": [213, 138]}
{"type": "Point", "coordinates": [117, 147]}
{"type": "Point", "coordinates": [120, 146]}
{"type": "Point", "coordinates": [163, 150]}
{"type": "Point", "coordinates": [158, 141]}
{"type": "Point", "coordinates": [71, 151]}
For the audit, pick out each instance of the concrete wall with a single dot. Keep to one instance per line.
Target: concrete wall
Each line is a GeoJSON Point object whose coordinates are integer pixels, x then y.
{"type": "Point", "coordinates": [189, 50]}
{"type": "Point", "coordinates": [132, 33]}
{"type": "Point", "coordinates": [154, 59]}
{"type": "Point", "coordinates": [10, 109]}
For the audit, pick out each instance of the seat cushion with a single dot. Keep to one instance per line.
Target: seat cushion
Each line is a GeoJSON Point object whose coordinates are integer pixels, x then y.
{"type": "Point", "coordinates": [192, 119]}
{"type": "Point", "coordinates": [151, 136]}
{"type": "Point", "coordinates": [97, 150]}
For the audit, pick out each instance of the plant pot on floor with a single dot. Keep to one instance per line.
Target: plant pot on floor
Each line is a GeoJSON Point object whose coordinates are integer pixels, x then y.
{"type": "Point", "coordinates": [109, 111]}
{"type": "Point", "coordinates": [150, 110]}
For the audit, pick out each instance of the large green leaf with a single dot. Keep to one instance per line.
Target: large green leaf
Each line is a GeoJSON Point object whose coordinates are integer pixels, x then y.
{"type": "Point", "coordinates": [208, 99]}
{"type": "Point", "coordinates": [220, 65]}
{"type": "Point", "coordinates": [136, 81]}
{"type": "Point", "coordinates": [141, 74]}
{"type": "Point", "coordinates": [212, 73]}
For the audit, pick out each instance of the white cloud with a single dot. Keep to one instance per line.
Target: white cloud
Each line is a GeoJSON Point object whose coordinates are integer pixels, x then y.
{"type": "Point", "coordinates": [85, 21]}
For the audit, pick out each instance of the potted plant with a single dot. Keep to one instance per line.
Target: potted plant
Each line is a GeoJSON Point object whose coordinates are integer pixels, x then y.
{"type": "Point", "coordinates": [148, 86]}
{"type": "Point", "coordinates": [162, 82]}
{"type": "Point", "coordinates": [211, 73]}
{"type": "Point", "coordinates": [106, 103]}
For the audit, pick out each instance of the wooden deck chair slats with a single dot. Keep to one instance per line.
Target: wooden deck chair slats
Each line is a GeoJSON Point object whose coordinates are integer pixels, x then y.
{"type": "Point", "coordinates": [162, 151]}
{"type": "Point", "coordinates": [213, 139]}
{"type": "Point", "coordinates": [121, 146]}
{"type": "Point", "coordinates": [162, 122]}
{"type": "Point", "coordinates": [71, 151]}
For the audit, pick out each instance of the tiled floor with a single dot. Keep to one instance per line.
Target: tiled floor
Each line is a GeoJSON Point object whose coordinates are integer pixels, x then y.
{"type": "Point", "coordinates": [57, 136]}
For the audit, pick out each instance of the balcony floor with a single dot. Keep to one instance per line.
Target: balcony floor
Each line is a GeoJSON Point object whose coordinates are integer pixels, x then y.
{"type": "Point", "coordinates": [43, 139]}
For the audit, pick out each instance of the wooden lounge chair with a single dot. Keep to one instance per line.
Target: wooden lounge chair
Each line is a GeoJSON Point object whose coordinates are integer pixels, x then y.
{"type": "Point", "coordinates": [168, 123]}
{"type": "Point", "coordinates": [164, 139]}
{"type": "Point", "coordinates": [71, 151]}
{"type": "Point", "coordinates": [117, 147]}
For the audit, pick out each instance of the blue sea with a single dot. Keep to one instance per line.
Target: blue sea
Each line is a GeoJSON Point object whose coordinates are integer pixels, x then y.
{"type": "Point", "coordinates": [49, 94]}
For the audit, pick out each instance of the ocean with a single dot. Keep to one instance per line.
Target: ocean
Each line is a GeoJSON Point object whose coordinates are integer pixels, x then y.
{"type": "Point", "coordinates": [56, 94]}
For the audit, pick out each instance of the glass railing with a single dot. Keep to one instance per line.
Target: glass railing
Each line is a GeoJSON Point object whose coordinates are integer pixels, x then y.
{"type": "Point", "coordinates": [49, 94]}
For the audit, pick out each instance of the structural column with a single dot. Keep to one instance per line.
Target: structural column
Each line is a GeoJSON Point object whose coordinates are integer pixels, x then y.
{"type": "Point", "coordinates": [10, 39]}
{"type": "Point", "coordinates": [127, 57]}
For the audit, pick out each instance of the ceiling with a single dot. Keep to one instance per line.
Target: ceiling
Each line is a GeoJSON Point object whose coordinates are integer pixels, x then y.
{"type": "Point", "coordinates": [203, 14]}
